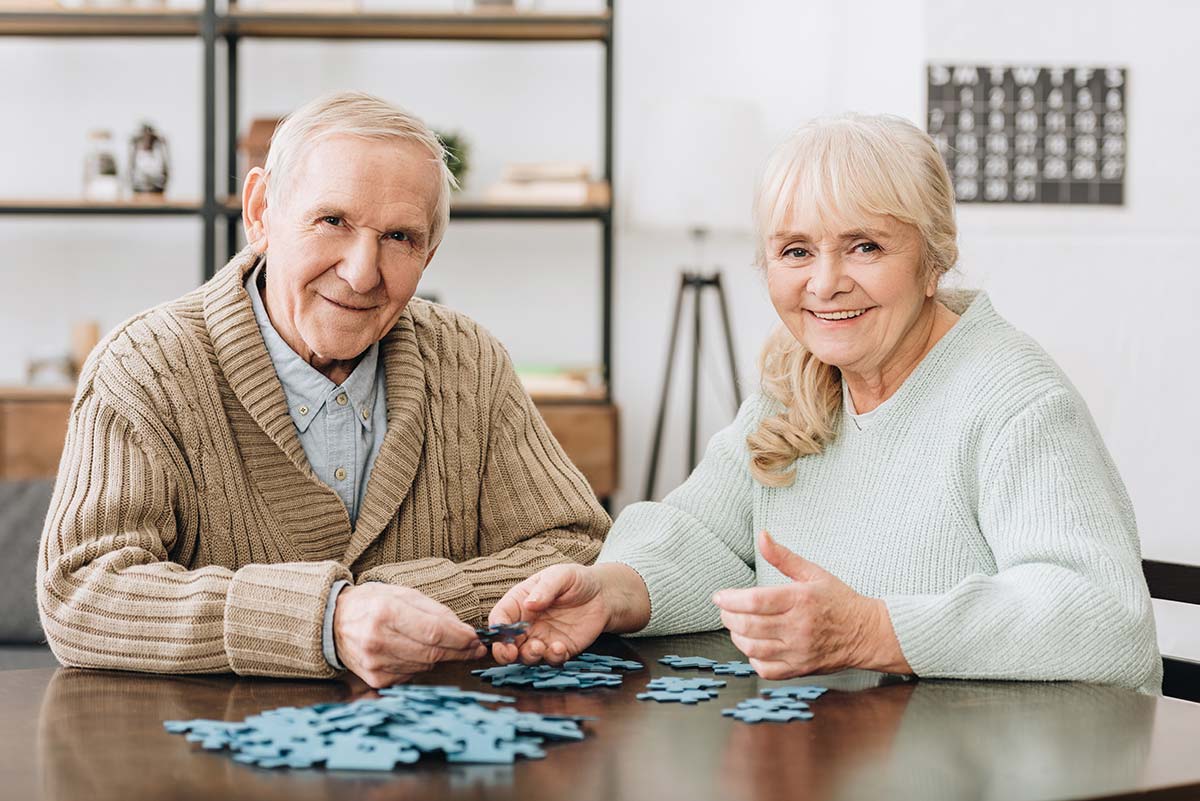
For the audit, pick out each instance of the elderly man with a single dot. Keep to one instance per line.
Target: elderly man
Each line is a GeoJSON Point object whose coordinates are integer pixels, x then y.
{"type": "Point", "coordinates": [298, 468]}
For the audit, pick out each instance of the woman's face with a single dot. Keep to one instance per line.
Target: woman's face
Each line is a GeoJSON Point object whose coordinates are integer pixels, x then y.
{"type": "Point", "coordinates": [851, 294]}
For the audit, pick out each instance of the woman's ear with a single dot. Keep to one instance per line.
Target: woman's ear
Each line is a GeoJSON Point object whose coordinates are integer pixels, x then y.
{"type": "Point", "coordinates": [254, 209]}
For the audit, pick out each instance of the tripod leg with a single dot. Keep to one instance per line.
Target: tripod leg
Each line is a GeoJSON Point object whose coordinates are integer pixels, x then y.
{"type": "Point", "coordinates": [694, 410]}
{"type": "Point", "coordinates": [652, 472]}
{"type": "Point", "coordinates": [737, 390]}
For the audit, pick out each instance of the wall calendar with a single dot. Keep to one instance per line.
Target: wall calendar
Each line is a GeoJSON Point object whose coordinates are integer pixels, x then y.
{"type": "Point", "coordinates": [1012, 134]}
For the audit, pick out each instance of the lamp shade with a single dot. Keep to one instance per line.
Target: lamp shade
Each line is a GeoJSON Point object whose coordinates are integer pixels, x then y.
{"type": "Point", "coordinates": [697, 165]}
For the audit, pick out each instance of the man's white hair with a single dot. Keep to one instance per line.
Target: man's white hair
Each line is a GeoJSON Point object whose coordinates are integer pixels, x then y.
{"type": "Point", "coordinates": [365, 116]}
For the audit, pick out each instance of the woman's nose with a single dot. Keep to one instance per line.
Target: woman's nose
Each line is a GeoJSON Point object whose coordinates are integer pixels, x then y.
{"type": "Point", "coordinates": [827, 277]}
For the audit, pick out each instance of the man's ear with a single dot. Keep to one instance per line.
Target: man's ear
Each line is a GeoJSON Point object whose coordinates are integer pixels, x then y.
{"type": "Point", "coordinates": [429, 258]}
{"type": "Point", "coordinates": [254, 209]}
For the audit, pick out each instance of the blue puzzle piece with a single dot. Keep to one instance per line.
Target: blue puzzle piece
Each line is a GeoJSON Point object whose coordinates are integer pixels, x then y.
{"type": "Point", "coordinates": [675, 684]}
{"type": "Point", "coordinates": [685, 697]}
{"type": "Point", "coordinates": [688, 662]}
{"type": "Point", "coordinates": [741, 669]}
{"type": "Point", "coordinates": [505, 632]}
{"type": "Point", "coordinates": [803, 692]}
{"type": "Point", "coordinates": [760, 715]}
{"type": "Point", "coordinates": [610, 661]}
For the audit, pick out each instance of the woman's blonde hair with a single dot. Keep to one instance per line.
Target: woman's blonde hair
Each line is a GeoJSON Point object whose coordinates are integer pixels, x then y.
{"type": "Point", "coordinates": [367, 117]}
{"type": "Point", "coordinates": [840, 169]}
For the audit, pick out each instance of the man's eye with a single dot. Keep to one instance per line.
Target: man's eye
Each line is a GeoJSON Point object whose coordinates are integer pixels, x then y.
{"type": "Point", "coordinates": [796, 253]}
{"type": "Point", "coordinates": [331, 220]}
{"type": "Point", "coordinates": [398, 236]}
{"type": "Point", "coordinates": [866, 247]}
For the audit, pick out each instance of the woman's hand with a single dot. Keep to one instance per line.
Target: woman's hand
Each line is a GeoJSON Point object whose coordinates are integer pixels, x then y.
{"type": "Point", "coordinates": [567, 607]}
{"type": "Point", "coordinates": [815, 624]}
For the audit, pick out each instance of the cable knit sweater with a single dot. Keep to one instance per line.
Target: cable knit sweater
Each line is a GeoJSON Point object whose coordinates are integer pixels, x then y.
{"type": "Point", "coordinates": [979, 503]}
{"type": "Point", "coordinates": [188, 534]}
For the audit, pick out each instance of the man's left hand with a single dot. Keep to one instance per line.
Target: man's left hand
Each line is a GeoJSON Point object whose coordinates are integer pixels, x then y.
{"type": "Point", "coordinates": [814, 624]}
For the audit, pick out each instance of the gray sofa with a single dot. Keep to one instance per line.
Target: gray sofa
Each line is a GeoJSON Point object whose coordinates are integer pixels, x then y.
{"type": "Point", "coordinates": [23, 506]}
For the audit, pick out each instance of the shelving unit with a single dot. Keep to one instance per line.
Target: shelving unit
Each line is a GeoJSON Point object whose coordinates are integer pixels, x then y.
{"type": "Point", "coordinates": [220, 202]}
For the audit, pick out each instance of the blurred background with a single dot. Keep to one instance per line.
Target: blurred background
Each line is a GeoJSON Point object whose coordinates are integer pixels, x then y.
{"type": "Point", "coordinates": [594, 140]}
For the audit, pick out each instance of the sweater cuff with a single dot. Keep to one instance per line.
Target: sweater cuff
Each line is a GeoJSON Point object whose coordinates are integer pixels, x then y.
{"type": "Point", "coordinates": [328, 645]}
{"type": "Point", "coordinates": [440, 579]}
{"type": "Point", "coordinates": [915, 620]}
{"type": "Point", "coordinates": [274, 618]}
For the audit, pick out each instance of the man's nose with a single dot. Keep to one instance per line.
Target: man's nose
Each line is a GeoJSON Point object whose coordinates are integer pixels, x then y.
{"type": "Point", "coordinates": [828, 277]}
{"type": "Point", "coordinates": [360, 266]}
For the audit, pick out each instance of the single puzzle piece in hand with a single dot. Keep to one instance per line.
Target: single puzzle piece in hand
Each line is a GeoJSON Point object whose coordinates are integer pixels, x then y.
{"type": "Point", "coordinates": [684, 697]}
{"type": "Point", "coordinates": [735, 668]}
{"type": "Point", "coordinates": [504, 632]}
{"type": "Point", "coordinates": [805, 692]}
{"type": "Point", "coordinates": [688, 662]}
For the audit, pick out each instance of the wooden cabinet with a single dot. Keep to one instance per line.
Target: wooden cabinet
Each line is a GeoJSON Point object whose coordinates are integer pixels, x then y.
{"type": "Point", "coordinates": [33, 426]}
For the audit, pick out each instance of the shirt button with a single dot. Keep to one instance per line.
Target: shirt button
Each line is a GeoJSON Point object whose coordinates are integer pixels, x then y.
{"type": "Point", "coordinates": [303, 410]}
{"type": "Point", "coordinates": [340, 474]}
{"type": "Point", "coordinates": [342, 400]}
{"type": "Point", "coordinates": [365, 414]}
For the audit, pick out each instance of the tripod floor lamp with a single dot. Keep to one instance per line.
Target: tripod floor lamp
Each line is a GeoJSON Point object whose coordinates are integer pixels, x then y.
{"type": "Point", "coordinates": [694, 284]}
{"type": "Point", "coordinates": [700, 160]}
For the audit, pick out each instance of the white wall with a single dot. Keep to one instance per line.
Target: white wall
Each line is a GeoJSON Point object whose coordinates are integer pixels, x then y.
{"type": "Point", "coordinates": [1107, 291]}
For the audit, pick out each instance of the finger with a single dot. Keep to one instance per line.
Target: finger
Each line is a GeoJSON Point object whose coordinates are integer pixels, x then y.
{"type": "Point", "coordinates": [532, 651]}
{"type": "Point", "coordinates": [505, 653]}
{"type": "Point", "coordinates": [786, 562]}
{"type": "Point", "coordinates": [756, 600]}
{"type": "Point", "coordinates": [761, 627]}
{"type": "Point", "coordinates": [550, 585]}
{"type": "Point", "coordinates": [508, 609]}
{"type": "Point", "coordinates": [557, 653]}
{"type": "Point", "coordinates": [441, 630]}
{"type": "Point", "coordinates": [757, 649]}
{"type": "Point", "coordinates": [774, 670]}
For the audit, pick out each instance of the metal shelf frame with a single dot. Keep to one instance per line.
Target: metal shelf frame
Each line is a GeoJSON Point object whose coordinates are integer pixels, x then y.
{"type": "Point", "coordinates": [232, 27]}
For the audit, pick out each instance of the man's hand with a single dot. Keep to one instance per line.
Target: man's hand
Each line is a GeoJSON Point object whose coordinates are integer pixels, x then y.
{"type": "Point", "coordinates": [386, 634]}
{"type": "Point", "coordinates": [815, 624]}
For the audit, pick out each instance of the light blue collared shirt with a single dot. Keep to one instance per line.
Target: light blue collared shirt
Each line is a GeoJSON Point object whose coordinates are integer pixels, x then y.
{"type": "Point", "coordinates": [341, 428]}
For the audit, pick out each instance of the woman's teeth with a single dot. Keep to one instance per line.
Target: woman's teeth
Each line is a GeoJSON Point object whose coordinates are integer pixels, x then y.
{"type": "Point", "coordinates": [842, 315]}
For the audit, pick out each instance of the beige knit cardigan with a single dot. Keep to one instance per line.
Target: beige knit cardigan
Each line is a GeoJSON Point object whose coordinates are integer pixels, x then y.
{"type": "Point", "coordinates": [188, 534]}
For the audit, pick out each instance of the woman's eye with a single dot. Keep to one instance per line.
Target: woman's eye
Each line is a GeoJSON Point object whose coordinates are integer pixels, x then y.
{"type": "Point", "coordinates": [329, 219]}
{"type": "Point", "coordinates": [866, 247]}
{"type": "Point", "coordinates": [796, 253]}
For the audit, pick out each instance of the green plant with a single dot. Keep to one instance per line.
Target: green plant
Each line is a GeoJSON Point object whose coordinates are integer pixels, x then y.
{"type": "Point", "coordinates": [458, 151]}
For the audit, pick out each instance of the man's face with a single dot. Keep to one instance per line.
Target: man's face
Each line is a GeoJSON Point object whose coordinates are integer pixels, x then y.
{"type": "Point", "coordinates": [347, 240]}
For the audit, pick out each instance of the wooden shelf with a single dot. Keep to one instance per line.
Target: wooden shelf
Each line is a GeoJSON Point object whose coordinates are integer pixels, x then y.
{"type": "Point", "coordinates": [104, 22]}
{"type": "Point", "coordinates": [475, 209]}
{"type": "Point", "coordinates": [471, 26]}
{"type": "Point", "coordinates": [148, 205]}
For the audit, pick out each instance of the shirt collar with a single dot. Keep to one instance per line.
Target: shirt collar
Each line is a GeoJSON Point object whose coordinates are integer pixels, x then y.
{"type": "Point", "coordinates": [306, 388]}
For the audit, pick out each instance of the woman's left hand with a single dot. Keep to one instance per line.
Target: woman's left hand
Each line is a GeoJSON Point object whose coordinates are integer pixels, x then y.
{"type": "Point", "coordinates": [815, 624]}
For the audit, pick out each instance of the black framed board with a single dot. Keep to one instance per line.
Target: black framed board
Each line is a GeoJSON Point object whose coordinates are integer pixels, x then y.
{"type": "Point", "coordinates": [1022, 134]}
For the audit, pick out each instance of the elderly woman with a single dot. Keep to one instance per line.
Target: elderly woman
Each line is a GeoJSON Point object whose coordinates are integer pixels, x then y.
{"type": "Point", "coordinates": [938, 499]}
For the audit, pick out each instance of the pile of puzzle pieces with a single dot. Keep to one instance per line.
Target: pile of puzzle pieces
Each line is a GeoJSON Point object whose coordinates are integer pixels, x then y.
{"type": "Point", "coordinates": [408, 723]}
{"type": "Point", "coordinates": [778, 704]}
{"type": "Point", "coordinates": [581, 673]}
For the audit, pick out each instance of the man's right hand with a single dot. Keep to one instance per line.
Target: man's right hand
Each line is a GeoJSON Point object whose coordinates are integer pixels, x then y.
{"type": "Point", "coordinates": [386, 634]}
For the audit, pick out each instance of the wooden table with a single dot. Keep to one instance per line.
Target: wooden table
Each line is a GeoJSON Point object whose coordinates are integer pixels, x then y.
{"type": "Point", "coordinates": [74, 734]}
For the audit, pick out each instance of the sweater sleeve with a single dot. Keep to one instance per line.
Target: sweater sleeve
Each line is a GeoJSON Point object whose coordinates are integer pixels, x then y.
{"type": "Point", "coordinates": [109, 595]}
{"type": "Point", "coordinates": [535, 510]}
{"type": "Point", "coordinates": [698, 539]}
{"type": "Point", "coordinates": [1068, 600]}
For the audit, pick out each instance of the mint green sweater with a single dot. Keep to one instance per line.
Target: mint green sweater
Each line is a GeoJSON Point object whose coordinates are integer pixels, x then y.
{"type": "Point", "coordinates": [979, 503]}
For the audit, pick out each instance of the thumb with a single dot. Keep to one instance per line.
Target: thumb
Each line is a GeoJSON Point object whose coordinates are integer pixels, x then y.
{"type": "Point", "coordinates": [790, 564]}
